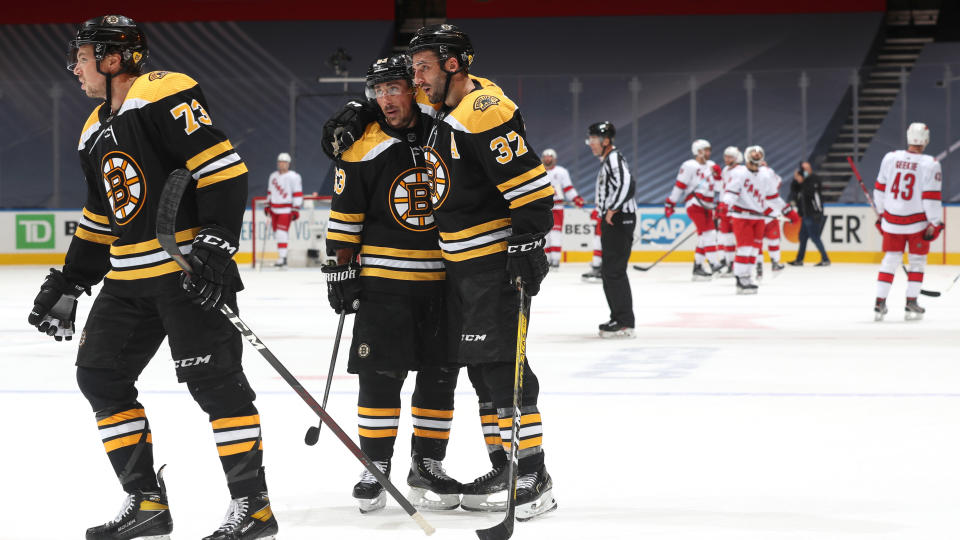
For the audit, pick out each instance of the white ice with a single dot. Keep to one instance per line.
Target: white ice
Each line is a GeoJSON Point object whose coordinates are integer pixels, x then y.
{"type": "Point", "coordinates": [786, 415]}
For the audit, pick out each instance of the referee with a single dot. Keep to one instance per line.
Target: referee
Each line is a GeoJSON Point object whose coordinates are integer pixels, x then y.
{"type": "Point", "coordinates": [618, 210]}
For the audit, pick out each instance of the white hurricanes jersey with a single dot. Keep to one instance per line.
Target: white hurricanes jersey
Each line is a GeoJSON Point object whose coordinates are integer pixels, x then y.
{"type": "Point", "coordinates": [725, 177]}
{"type": "Point", "coordinates": [285, 192]}
{"type": "Point", "coordinates": [562, 187]}
{"type": "Point", "coordinates": [695, 184]}
{"type": "Point", "coordinates": [907, 192]}
{"type": "Point", "coordinates": [774, 200]}
{"type": "Point", "coordinates": [753, 195]}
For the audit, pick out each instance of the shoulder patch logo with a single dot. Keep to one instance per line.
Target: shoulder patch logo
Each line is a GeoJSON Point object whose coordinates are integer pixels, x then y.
{"type": "Point", "coordinates": [483, 103]}
{"type": "Point", "coordinates": [124, 185]}
{"type": "Point", "coordinates": [154, 75]}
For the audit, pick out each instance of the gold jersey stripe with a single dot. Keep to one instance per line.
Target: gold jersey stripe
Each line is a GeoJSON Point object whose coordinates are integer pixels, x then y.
{"type": "Point", "coordinates": [489, 419]}
{"type": "Point", "coordinates": [530, 197]}
{"type": "Point", "coordinates": [348, 238]}
{"type": "Point", "coordinates": [377, 433]}
{"type": "Point", "coordinates": [149, 272]}
{"type": "Point", "coordinates": [367, 411]}
{"type": "Point", "coordinates": [492, 439]}
{"type": "Point", "coordinates": [96, 238]}
{"type": "Point", "coordinates": [432, 413]}
{"type": "Point", "coordinates": [399, 274]}
{"type": "Point", "coordinates": [525, 419]}
{"type": "Point", "coordinates": [121, 416]}
{"type": "Point", "coordinates": [122, 442]}
{"type": "Point", "coordinates": [226, 174]}
{"type": "Point", "coordinates": [517, 180]}
{"type": "Point", "coordinates": [476, 229]}
{"type": "Point", "coordinates": [427, 434]}
{"type": "Point", "coordinates": [474, 253]}
{"type": "Point", "coordinates": [349, 218]}
{"type": "Point", "coordinates": [402, 253]}
{"type": "Point", "coordinates": [91, 120]}
{"type": "Point", "coordinates": [372, 136]}
{"type": "Point", "coordinates": [209, 154]}
{"type": "Point", "coordinates": [96, 218]}
{"type": "Point", "coordinates": [236, 421]}
{"type": "Point", "coordinates": [153, 89]}
{"type": "Point", "coordinates": [239, 448]}
{"type": "Point", "coordinates": [150, 245]}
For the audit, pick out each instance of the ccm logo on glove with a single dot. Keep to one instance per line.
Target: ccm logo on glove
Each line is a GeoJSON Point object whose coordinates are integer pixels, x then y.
{"type": "Point", "coordinates": [528, 246]}
{"type": "Point", "coordinates": [219, 243]}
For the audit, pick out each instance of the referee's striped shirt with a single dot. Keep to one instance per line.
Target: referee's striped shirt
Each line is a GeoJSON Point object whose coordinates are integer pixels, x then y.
{"type": "Point", "coordinates": [615, 186]}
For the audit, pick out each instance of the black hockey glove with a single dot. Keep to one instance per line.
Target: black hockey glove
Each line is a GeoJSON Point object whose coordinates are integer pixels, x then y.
{"type": "Point", "coordinates": [210, 259]}
{"type": "Point", "coordinates": [55, 308]}
{"type": "Point", "coordinates": [348, 125]}
{"type": "Point", "coordinates": [343, 287]}
{"type": "Point", "coordinates": [526, 260]}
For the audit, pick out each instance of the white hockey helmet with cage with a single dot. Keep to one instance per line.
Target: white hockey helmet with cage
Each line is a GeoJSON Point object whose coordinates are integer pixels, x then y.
{"type": "Point", "coordinates": [748, 154]}
{"type": "Point", "coordinates": [699, 146]}
{"type": "Point", "coordinates": [918, 134]}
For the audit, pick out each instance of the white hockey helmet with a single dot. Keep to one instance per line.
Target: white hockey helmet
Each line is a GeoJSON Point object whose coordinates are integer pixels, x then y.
{"type": "Point", "coordinates": [698, 146]}
{"type": "Point", "coordinates": [918, 134]}
{"type": "Point", "coordinates": [733, 152]}
{"type": "Point", "coordinates": [284, 157]}
{"type": "Point", "coordinates": [549, 152]}
{"type": "Point", "coordinates": [750, 151]}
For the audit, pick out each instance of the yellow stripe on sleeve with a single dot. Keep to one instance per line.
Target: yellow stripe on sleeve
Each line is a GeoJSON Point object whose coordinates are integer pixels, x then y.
{"type": "Point", "coordinates": [348, 218]}
{"type": "Point", "coordinates": [348, 238]}
{"type": "Point", "coordinates": [96, 238]}
{"type": "Point", "coordinates": [474, 253]}
{"type": "Point", "coordinates": [150, 245]}
{"type": "Point", "coordinates": [96, 218]}
{"type": "Point", "coordinates": [208, 154]}
{"type": "Point", "coordinates": [402, 253]}
{"type": "Point", "coordinates": [399, 274]}
{"type": "Point", "coordinates": [226, 174]}
{"type": "Point", "coordinates": [517, 180]}
{"type": "Point", "coordinates": [530, 197]}
{"type": "Point", "coordinates": [476, 229]}
{"type": "Point", "coordinates": [143, 273]}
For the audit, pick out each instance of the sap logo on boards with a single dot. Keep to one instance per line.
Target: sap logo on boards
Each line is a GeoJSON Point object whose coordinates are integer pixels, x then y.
{"type": "Point", "coordinates": [655, 229]}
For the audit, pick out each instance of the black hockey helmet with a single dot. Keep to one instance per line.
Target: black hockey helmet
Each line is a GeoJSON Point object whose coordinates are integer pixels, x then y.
{"type": "Point", "coordinates": [393, 68]}
{"type": "Point", "coordinates": [111, 34]}
{"type": "Point", "coordinates": [447, 41]}
{"type": "Point", "coordinates": [602, 129]}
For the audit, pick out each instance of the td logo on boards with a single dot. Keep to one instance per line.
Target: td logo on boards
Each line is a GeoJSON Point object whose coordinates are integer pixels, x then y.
{"type": "Point", "coordinates": [35, 231]}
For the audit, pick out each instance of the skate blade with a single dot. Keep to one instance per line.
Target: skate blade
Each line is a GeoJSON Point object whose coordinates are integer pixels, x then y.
{"type": "Point", "coordinates": [747, 291]}
{"type": "Point", "coordinates": [626, 333]}
{"type": "Point", "coordinates": [702, 278]}
{"type": "Point", "coordinates": [424, 499]}
{"type": "Point", "coordinates": [482, 503]}
{"type": "Point", "coordinates": [592, 280]}
{"type": "Point", "coordinates": [543, 504]}
{"type": "Point", "coordinates": [726, 275]}
{"type": "Point", "coordinates": [911, 316]}
{"type": "Point", "coordinates": [374, 504]}
{"type": "Point", "coordinates": [877, 317]}
{"type": "Point", "coordinates": [159, 537]}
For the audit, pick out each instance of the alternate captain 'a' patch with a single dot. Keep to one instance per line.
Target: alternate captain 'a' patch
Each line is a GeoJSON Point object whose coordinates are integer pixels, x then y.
{"type": "Point", "coordinates": [124, 184]}
{"type": "Point", "coordinates": [483, 103]}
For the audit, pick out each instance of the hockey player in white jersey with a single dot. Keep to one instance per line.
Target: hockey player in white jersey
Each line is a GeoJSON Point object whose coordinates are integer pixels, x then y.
{"type": "Point", "coordinates": [907, 199]}
{"type": "Point", "coordinates": [747, 202]}
{"type": "Point", "coordinates": [563, 191]}
{"type": "Point", "coordinates": [284, 200]}
{"type": "Point", "coordinates": [732, 158]}
{"type": "Point", "coordinates": [696, 186]}
{"type": "Point", "coordinates": [771, 227]}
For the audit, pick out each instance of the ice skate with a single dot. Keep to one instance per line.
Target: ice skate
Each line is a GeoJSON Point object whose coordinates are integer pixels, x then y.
{"type": "Point", "coordinates": [796, 262]}
{"type": "Point", "coordinates": [430, 486]}
{"type": "Point", "coordinates": [699, 274]}
{"type": "Point", "coordinates": [248, 518]}
{"type": "Point", "coordinates": [728, 271]}
{"type": "Point", "coordinates": [368, 492]}
{"type": "Point", "coordinates": [593, 276]}
{"type": "Point", "coordinates": [880, 309]}
{"type": "Point", "coordinates": [487, 493]}
{"type": "Point", "coordinates": [746, 286]}
{"type": "Point", "coordinates": [759, 271]}
{"type": "Point", "coordinates": [535, 495]}
{"type": "Point", "coordinates": [717, 269]}
{"type": "Point", "coordinates": [281, 263]}
{"type": "Point", "coordinates": [613, 329]}
{"type": "Point", "coordinates": [776, 268]}
{"type": "Point", "coordinates": [144, 515]}
{"type": "Point", "coordinates": [912, 311]}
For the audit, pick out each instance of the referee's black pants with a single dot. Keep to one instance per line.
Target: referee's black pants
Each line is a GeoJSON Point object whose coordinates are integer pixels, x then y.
{"type": "Point", "coordinates": [616, 241]}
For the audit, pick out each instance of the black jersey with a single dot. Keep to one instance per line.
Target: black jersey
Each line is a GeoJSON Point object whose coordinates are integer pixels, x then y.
{"type": "Point", "coordinates": [163, 124]}
{"type": "Point", "coordinates": [488, 181]}
{"type": "Point", "coordinates": [381, 208]}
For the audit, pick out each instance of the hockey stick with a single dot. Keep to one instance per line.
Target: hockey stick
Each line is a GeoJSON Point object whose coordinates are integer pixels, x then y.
{"type": "Point", "coordinates": [313, 432]}
{"type": "Point", "coordinates": [166, 224]}
{"type": "Point", "coordinates": [648, 229]}
{"type": "Point", "coordinates": [664, 256]}
{"type": "Point", "coordinates": [266, 235]}
{"type": "Point", "coordinates": [952, 283]}
{"type": "Point", "coordinates": [874, 207]}
{"type": "Point", "coordinates": [504, 529]}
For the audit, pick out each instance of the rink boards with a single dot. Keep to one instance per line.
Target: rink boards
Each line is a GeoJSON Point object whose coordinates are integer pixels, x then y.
{"type": "Point", "coordinates": [849, 235]}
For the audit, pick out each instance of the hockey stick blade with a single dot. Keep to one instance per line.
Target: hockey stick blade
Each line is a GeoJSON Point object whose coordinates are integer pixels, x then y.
{"type": "Point", "coordinates": [504, 529]}
{"type": "Point", "coordinates": [856, 173]}
{"type": "Point", "coordinates": [313, 432]}
{"type": "Point", "coordinates": [173, 191]}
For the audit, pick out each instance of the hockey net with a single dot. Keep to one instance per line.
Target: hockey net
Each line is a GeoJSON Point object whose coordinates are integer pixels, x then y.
{"type": "Point", "coordinates": [307, 242]}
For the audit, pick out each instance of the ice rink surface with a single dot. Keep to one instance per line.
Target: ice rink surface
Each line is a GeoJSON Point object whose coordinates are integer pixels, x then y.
{"type": "Point", "coordinates": [786, 415]}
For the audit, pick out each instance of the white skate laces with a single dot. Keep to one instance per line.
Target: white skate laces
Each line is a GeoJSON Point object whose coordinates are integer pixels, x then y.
{"type": "Point", "coordinates": [368, 478]}
{"type": "Point", "coordinates": [527, 481]}
{"type": "Point", "coordinates": [435, 467]}
{"type": "Point", "coordinates": [125, 509]}
{"type": "Point", "coordinates": [235, 514]}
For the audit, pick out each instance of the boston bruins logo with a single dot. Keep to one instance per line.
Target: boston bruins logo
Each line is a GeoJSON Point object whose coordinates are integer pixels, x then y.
{"type": "Point", "coordinates": [124, 184]}
{"type": "Point", "coordinates": [439, 176]}
{"type": "Point", "coordinates": [410, 199]}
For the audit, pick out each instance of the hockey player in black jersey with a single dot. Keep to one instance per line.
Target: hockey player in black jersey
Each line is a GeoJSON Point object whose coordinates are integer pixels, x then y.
{"type": "Point", "coordinates": [148, 125]}
{"type": "Point", "coordinates": [381, 211]}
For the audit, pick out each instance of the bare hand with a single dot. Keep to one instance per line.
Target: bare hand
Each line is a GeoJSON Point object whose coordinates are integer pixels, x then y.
{"type": "Point", "coordinates": [609, 217]}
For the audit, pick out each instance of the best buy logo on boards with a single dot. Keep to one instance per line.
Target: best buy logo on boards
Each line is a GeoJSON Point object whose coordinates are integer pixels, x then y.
{"type": "Point", "coordinates": [35, 231]}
